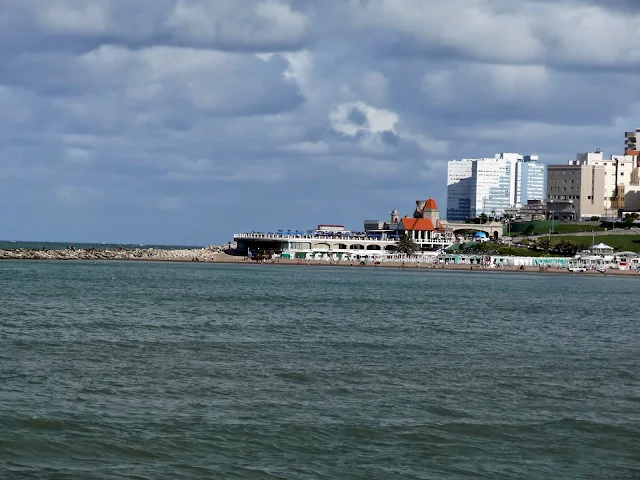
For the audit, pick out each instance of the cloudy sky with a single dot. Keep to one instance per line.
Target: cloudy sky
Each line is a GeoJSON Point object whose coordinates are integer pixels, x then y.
{"type": "Point", "coordinates": [184, 121]}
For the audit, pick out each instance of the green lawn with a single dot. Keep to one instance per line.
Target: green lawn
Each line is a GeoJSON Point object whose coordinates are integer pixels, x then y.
{"type": "Point", "coordinates": [630, 243]}
{"type": "Point", "coordinates": [543, 226]}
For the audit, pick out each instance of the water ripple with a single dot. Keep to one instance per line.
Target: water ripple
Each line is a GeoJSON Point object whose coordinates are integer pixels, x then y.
{"type": "Point", "coordinates": [213, 371]}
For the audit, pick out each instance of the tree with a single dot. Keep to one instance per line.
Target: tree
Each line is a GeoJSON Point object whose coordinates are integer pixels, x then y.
{"type": "Point", "coordinates": [406, 245]}
{"type": "Point", "coordinates": [483, 217]}
{"type": "Point", "coordinates": [566, 248]}
{"type": "Point", "coordinates": [544, 244]}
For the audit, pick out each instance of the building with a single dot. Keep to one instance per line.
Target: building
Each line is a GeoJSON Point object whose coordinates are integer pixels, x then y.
{"type": "Point", "coordinates": [493, 185]}
{"type": "Point", "coordinates": [597, 186]}
{"type": "Point", "coordinates": [575, 191]}
{"type": "Point", "coordinates": [533, 210]}
{"type": "Point", "coordinates": [531, 181]}
{"type": "Point", "coordinates": [425, 227]}
{"type": "Point", "coordinates": [618, 179]}
{"type": "Point", "coordinates": [459, 189]}
{"type": "Point", "coordinates": [632, 142]}
{"type": "Point", "coordinates": [324, 227]}
{"type": "Point", "coordinates": [378, 239]}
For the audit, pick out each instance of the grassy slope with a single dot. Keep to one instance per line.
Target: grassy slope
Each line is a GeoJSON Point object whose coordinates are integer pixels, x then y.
{"type": "Point", "coordinates": [558, 227]}
{"type": "Point", "coordinates": [629, 243]}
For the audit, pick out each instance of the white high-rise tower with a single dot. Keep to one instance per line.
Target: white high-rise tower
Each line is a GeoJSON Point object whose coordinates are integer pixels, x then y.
{"type": "Point", "coordinates": [492, 185]}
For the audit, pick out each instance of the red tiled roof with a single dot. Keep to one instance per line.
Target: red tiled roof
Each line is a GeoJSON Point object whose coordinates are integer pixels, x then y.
{"type": "Point", "coordinates": [419, 224]}
{"type": "Point", "coordinates": [431, 204]}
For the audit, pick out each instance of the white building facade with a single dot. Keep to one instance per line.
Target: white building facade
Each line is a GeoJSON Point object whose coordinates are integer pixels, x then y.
{"type": "Point", "coordinates": [493, 185]}
{"type": "Point", "coordinates": [531, 180]}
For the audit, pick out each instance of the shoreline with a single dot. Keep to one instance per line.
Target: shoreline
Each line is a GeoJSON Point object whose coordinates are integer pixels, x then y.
{"type": "Point", "coordinates": [212, 255]}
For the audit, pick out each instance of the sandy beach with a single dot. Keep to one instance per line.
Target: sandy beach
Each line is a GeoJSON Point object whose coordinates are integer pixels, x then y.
{"type": "Point", "coordinates": [213, 254]}
{"type": "Point", "coordinates": [444, 268]}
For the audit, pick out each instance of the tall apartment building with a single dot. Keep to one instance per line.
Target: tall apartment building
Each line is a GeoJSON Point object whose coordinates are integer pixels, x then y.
{"type": "Point", "coordinates": [632, 142]}
{"type": "Point", "coordinates": [531, 180]}
{"type": "Point", "coordinates": [459, 189]}
{"type": "Point", "coordinates": [493, 185]}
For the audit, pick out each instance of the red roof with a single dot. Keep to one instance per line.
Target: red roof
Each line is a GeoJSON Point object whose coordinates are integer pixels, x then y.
{"type": "Point", "coordinates": [419, 224]}
{"type": "Point", "coordinates": [431, 204]}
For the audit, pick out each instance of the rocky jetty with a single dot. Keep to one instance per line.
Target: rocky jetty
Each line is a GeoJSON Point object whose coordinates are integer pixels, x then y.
{"type": "Point", "coordinates": [211, 253]}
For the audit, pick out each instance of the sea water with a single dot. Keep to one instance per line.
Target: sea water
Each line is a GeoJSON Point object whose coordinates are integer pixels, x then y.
{"type": "Point", "coordinates": [165, 371]}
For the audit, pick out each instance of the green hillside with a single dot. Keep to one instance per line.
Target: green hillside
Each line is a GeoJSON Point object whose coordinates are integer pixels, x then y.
{"type": "Point", "coordinates": [630, 243]}
{"type": "Point", "coordinates": [543, 226]}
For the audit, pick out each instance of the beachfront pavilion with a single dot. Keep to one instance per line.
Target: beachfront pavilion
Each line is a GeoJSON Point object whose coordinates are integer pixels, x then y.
{"type": "Point", "coordinates": [602, 249]}
{"type": "Point", "coordinates": [496, 261]}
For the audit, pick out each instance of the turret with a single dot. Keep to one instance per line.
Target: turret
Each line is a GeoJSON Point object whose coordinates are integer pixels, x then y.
{"type": "Point", "coordinates": [430, 210]}
{"type": "Point", "coordinates": [395, 216]}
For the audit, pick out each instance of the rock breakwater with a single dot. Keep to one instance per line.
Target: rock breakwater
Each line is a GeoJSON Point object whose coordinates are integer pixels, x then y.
{"type": "Point", "coordinates": [208, 254]}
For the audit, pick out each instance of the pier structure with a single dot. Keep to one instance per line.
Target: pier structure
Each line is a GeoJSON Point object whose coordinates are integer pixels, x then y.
{"type": "Point", "coordinates": [424, 228]}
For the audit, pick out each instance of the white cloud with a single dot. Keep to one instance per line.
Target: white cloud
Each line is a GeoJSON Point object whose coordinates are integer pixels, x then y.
{"type": "Point", "coordinates": [81, 17]}
{"type": "Point", "coordinates": [377, 120]}
{"type": "Point", "coordinates": [231, 24]}
{"type": "Point", "coordinates": [500, 31]}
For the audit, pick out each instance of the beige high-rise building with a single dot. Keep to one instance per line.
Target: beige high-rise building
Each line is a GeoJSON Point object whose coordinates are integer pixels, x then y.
{"type": "Point", "coordinates": [591, 185]}
{"type": "Point", "coordinates": [618, 179]}
{"type": "Point", "coordinates": [575, 191]}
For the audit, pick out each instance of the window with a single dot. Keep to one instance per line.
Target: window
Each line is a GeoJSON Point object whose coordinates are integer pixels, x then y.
{"type": "Point", "coordinates": [589, 197]}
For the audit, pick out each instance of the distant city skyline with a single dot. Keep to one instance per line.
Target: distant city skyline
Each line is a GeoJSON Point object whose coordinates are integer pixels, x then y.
{"type": "Point", "coordinates": [173, 122]}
